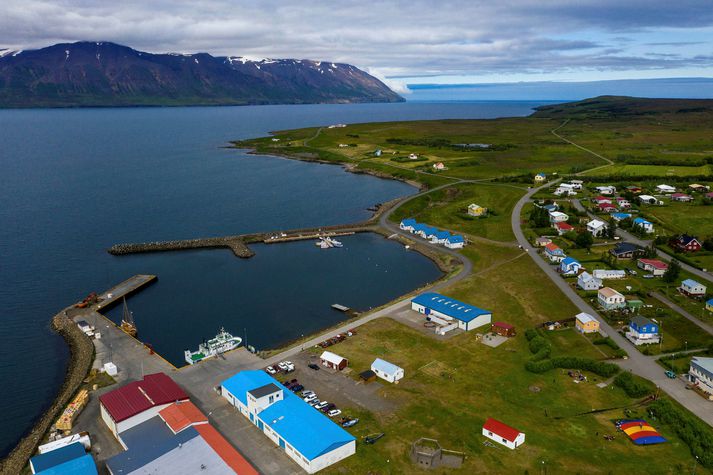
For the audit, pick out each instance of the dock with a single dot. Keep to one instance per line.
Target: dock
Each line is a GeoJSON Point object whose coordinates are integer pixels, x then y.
{"type": "Point", "coordinates": [341, 308]}
{"type": "Point", "coordinates": [301, 237]}
{"type": "Point", "coordinates": [123, 289]}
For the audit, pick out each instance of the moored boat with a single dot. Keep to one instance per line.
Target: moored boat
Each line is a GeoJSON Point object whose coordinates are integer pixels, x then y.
{"type": "Point", "coordinates": [222, 343]}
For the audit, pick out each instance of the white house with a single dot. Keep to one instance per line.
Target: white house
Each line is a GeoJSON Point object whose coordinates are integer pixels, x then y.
{"type": "Point", "coordinates": [570, 266]}
{"type": "Point", "coordinates": [647, 226]}
{"type": "Point", "coordinates": [456, 241]}
{"type": "Point", "coordinates": [503, 434]}
{"type": "Point", "coordinates": [610, 299]}
{"type": "Point", "coordinates": [307, 436]}
{"type": "Point", "coordinates": [701, 374]}
{"type": "Point", "coordinates": [577, 184]}
{"type": "Point", "coordinates": [609, 274]}
{"type": "Point", "coordinates": [665, 189]}
{"type": "Point", "coordinates": [692, 288]}
{"type": "Point", "coordinates": [408, 224]}
{"type": "Point", "coordinates": [558, 217]}
{"type": "Point", "coordinates": [587, 281]}
{"type": "Point", "coordinates": [388, 371]}
{"type": "Point", "coordinates": [606, 190]}
{"type": "Point", "coordinates": [412, 156]}
{"type": "Point", "coordinates": [649, 200]}
{"type": "Point", "coordinates": [447, 310]}
{"type": "Point", "coordinates": [439, 166]}
{"type": "Point", "coordinates": [597, 227]}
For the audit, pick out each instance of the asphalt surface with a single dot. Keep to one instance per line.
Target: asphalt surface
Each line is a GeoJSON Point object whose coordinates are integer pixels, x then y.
{"type": "Point", "coordinates": [680, 310]}
{"type": "Point", "coordinates": [637, 363]}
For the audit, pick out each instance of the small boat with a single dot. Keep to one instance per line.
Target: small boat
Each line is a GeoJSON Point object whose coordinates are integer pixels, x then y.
{"type": "Point", "coordinates": [325, 242]}
{"type": "Point", "coordinates": [222, 343]}
{"type": "Point", "coordinates": [127, 322]}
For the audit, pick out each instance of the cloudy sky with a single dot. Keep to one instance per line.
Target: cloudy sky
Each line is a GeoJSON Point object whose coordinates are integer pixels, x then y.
{"type": "Point", "coordinates": [415, 41]}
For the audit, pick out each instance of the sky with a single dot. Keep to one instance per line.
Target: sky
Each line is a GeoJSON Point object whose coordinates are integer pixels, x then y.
{"type": "Point", "coordinates": [402, 42]}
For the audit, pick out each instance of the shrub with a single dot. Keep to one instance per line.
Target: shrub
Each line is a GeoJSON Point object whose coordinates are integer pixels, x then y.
{"type": "Point", "coordinates": [632, 386]}
{"type": "Point", "coordinates": [693, 432]}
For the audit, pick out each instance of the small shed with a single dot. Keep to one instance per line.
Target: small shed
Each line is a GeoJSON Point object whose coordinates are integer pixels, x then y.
{"type": "Point", "coordinates": [503, 434]}
{"type": "Point", "coordinates": [334, 361]}
{"type": "Point", "coordinates": [502, 328]}
{"type": "Point", "coordinates": [367, 376]}
{"type": "Point", "coordinates": [388, 371]}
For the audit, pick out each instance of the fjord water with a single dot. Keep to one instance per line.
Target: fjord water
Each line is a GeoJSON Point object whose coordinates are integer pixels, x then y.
{"type": "Point", "coordinates": [74, 182]}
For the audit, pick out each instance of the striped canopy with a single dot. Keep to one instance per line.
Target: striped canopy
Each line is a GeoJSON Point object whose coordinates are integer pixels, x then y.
{"type": "Point", "coordinates": [640, 432]}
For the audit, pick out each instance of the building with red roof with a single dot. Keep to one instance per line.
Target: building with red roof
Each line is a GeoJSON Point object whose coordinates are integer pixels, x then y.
{"type": "Point", "coordinates": [138, 401]}
{"type": "Point", "coordinates": [502, 328]}
{"type": "Point", "coordinates": [503, 434]}
{"type": "Point", "coordinates": [655, 266]}
{"type": "Point", "coordinates": [607, 207]}
{"type": "Point", "coordinates": [180, 415]}
{"type": "Point", "coordinates": [563, 228]}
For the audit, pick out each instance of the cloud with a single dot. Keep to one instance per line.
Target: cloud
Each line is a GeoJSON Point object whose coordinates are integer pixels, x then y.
{"type": "Point", "coordinates": [393, 39]}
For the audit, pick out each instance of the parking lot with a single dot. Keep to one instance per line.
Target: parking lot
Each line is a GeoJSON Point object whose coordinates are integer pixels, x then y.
{"type": "Point", "coordinates": [337, 387]}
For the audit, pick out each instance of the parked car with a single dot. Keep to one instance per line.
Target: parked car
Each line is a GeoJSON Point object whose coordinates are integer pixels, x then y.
{"type": "Point", "coordinates": [271, 370]}
{"type": "Point", "coordinates": [350, 423]}
{"type": "Point", "coordinates": [282, 365]}
{"type": "Point", "coordinates": [297, 388]}
{"type": "Point", "coordinates": [310, 398]}
{"type": "Point", "coordinates": [313, 366]}
{"type": "Point", "coordinates": [321, 405]}
{"type": "Point", "coordinates": [328, 407]}
{"type": "Point", "coordinates": [315, 402]}
{"type": "Point", "coordinates": [307, 393]}
{"type": "Point", "coordinates": [648, 276]}
{"type": "Point", "coordinates": [671, 374]}
{"type": "Point", "coordinates": [631, 271]}
{"type": "Point", "coordinates": [334, 413]}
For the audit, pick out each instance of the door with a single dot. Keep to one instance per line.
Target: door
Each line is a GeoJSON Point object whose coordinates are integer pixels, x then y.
{"type": "Point", "coordinates": [260, 425]}
{"type": "Point", "coordinates": [281, 443]}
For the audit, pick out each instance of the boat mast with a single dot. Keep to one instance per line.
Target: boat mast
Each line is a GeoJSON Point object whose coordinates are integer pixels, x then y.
{"type": "Point", "coordinates": [128, 318]}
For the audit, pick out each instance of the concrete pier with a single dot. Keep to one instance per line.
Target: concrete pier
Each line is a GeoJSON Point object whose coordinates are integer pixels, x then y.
{"type": "Point", "coordinates": [123, 289]}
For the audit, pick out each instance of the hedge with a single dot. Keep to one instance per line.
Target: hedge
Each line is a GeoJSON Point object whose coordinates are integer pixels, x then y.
{"type": "Point", "coordinates": [633, 387]}
{"type": "Point", "coordinates": [696, 434]}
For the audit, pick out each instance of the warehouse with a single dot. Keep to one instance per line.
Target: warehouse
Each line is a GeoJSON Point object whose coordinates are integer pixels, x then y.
{"type": "Point", "coordinates": [307, 436]}
{"type": "Point", "coordinates": [72, 458]}
{"type": "Point", "coordinates": [138, 401]}
{"type": "Point", "coordinates": [439, 307]}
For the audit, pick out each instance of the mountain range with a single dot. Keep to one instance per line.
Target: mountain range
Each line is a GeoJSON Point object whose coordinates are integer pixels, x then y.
{"type": "Point", "coordinates": [103, 74]}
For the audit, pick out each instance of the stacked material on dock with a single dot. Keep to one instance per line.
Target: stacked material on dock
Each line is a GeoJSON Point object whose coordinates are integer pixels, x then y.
{"type": "Point", "coordinates": [72, 410]}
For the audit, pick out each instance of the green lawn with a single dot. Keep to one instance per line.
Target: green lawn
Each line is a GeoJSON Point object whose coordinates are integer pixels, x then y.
{"type": "Point", "coordinates": [695, 218]}
{"type": "Point", "coordinates": [446, 209]}
{"type": "Point", "coordinates": [651, 170]}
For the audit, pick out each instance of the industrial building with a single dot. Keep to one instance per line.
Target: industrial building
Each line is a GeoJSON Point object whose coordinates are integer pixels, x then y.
{"type": "Point", "coordinates": [138, 401]}
{"type": "Point", "coordinates": [447, 311]}
{"type": "Point", "coordinates": [307, 436]}
{"type": "Point", "coordinates": [72, 459]}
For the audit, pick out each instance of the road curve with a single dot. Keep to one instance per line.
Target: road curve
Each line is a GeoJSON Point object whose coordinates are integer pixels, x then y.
{"type": "Point", "coordinates": [637, 363]}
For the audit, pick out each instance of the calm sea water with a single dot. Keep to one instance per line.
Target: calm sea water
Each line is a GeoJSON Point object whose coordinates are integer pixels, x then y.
{"type": "Point", "coordinates": [74, 182]}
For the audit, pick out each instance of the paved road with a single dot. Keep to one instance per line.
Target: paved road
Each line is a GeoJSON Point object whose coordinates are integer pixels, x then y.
{"type": "Point", "coordinates": [637, 363]}
{"type": "Point", "coordinates": [627, 236]}
{"type": "Point", "coordinates": [678, 309]}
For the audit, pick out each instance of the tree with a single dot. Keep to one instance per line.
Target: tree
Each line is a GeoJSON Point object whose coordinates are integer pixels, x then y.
{"type": "Point", "coordinates": [650, 251]}
{"type": "Point", "coordinates": [539, 217]}
{"type": "Point", "coordinates": [708, 244]}
{"type": "Point", "coordinates": [584, 240]}
{"type": "Point", "coordinates": [611, 228]}
{"type": "Point", "coordinates": [673, 271]}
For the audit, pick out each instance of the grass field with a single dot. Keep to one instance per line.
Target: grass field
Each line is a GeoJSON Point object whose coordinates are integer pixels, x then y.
{"type": "Point", "coordinates": [446, 209]}
{"type": "Point", "coordinates": [652, 170]}
{"type": "Point", "coordinates": [695, 219]}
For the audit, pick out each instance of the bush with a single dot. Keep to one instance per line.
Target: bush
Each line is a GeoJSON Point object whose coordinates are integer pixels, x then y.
{"type": "Point", "coordinates": [530, 333]}
{"type": "Point", "coordinates": [606, 341]}
{"type": "Point", "coordinates": [633, 387]}
{"type": "Point", "coordinates": [693, 432]}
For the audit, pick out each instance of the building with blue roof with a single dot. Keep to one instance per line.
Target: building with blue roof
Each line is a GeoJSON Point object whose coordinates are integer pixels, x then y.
{"type": "Point", "coordinates": [440, 237]}
{"type": "Point", "coordinates": [691, 288]}
{"type": "Point", "coordinates": [71, 458]}
{"type": "Point", "coordinates": [440, 308]}
{"type": "Point", "coordinates": [647, 226]}
{"type": "Point", "coordinates": [620, 216]}
{"type": "Point", "coordinates": [306, 435]}
{"type": "Point", "coordinates": [570, 266]}
{"type": "Point", "coordinates": [408, 224]}
{"type": "Point", "coordinates": [455, 241]}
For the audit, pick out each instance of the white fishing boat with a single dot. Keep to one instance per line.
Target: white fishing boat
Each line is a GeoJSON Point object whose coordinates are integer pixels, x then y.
{"type": "Point", "coordinates": [325, 242]}
{"type": "Point", "coordinates": [222, 342]}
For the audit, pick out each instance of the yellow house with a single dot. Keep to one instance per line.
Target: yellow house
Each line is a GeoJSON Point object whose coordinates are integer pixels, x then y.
{"type": "Point", "coordinates": [476, 210]}
{"type": "Point", "coordinates": [586, 323]}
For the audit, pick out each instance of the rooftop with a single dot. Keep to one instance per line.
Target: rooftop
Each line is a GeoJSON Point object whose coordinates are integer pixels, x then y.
{"type": "Point", "coordinates": [136, 397]}
{"type": "Point", "coordinates": [690, 283]}
{"type": "Point", "coordinates": [609, 292]}
{"type": "Point", "coordinates": [655, 263]}
{"type": "Point", "coordinates": [331, 357]}
{"type": "Point", "coordinates": [585, 318]}
{"type": "Point", "coordinates": [640, 321]}
{"type": "Point", "coordinates": [178, 416]}
{"type": "Point", "coordinates": [384, 366]}
{"type": "Point", "coordinates": [264, 390]}
{"type": "Point", "coordinates": [58, 457]}
{"type": "Point", "coordinates": [446, 305]}
{"type": "Point", "coordinates": [705, 363]}
{"type": "Point", "coordinates": [501, 429]}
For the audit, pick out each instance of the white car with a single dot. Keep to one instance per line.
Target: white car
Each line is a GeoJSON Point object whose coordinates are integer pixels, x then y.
{"type": "Point", "coordinates": [321, 405]}
{"type": "Point", "coordinates": [306, 393]}
{"type": "Point", "coordinates": [310, 398]}
{"type": "Point", "coordinates": [315, 402]}
{"type": "Point", "coordinates": [271, 370]}
{"type": "Point", "coordinates": [334, 413]}
{"type": "Point", "coordinates": [282, 366]}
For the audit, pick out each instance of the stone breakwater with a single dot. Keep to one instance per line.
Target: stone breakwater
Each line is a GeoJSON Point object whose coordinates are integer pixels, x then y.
{"type": "Point", "coordinates": [80, 362]}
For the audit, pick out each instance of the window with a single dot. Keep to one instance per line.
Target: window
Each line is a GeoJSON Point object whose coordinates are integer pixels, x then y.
{"type": "Point", "coordinates": [272, 399]}
{"type": "Point", "coordinates": [504, 441]}
{"type": "Point", "coordinates": [490, 433]}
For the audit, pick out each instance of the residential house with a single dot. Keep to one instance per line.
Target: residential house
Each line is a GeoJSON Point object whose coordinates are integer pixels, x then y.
{"type": "Point", "coordinates": [408, 224]}
{"type": "Point", "coordinates": [439, 166]}
{"type": "Point", "coordinates": [597, 227]}
{"type": "Point", "coordinates": [647, 226]}
{"type": "Point", "coordinates": [626, 250]}
{"type": "Point", "coordinates": [709, 305]}
{"type": "Point", "coordinates": [606, 274]}
{"type": "Point", "coordinates": [585, 323]}
{"type": "Point", "coordinates": [554, 253]}
{"type": "Point", "coordinates": [440, 237]}
{"type": "Point", "coordinates": [503, 329]}
{"type": "Point", "coordinates": [550, 207]}
{"type": "Point", "coordinates": [665, 189]}
{"type": "Point", "coordinates": [642, 331]}
{"type": "Point", "coordinates": [610, 299]}
{"type": "Point", "coordinates": [606, 190]}
{"type": "Point", "coordinates": [540, 178]}
{"type": "Point", "coordinates": [691, 288]}
{"type": "Point", "coordinates": [686, 243]}
{"type": "Point", "coordinates": [602, 200]}
{"type": "Point", "coordinates": [570, 266]}
{"type": "Point", "coordinates": [577, 184]}
{"type": "Point", "coordinates": [700, 374]}
{"type": "Point", "coordinates": [425, 231]}
{"type": "Point", "coordinates": [607, 208]}
{"type": "Point", "coordinates": [587, 281]}
{"type": "Point", "coordinates": [699, 188]}
{"type": "Point", "coordinates": [333, 361]}
{"type": "Point", "coordinates": [634, 189]}
{"type": "Point", "coordinates": [649, 200]}
{"type": "Point", "coordinates": [655, 266]}
{"type": "Point", "coordinates": [623, 203]}
{"type": "Point", "coordinates": [542, 241]}
{"type": "Point", "coordinates": [682, 197]}
{"type": "Point", "coordinates": [558, 217]}
{"type": "Point", "coordinates": [503, 434]}
{"type": "Point", "coordinates": [412, 156]}
{"type": "Point", "coordinates": [456, 241]}
{"type": "Point", "coordinates": [620, 216]}
{"type": "Point", "coordinates": [563, 228]}
{"type": "Point", "coordinates": [564, 191]}
{"type": "Point", "coordinates": [476, 210]}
